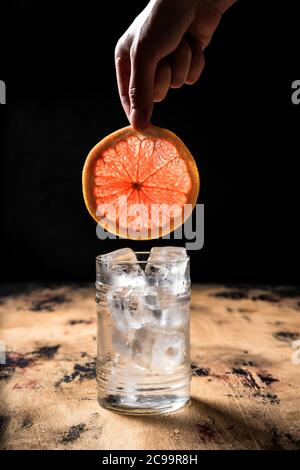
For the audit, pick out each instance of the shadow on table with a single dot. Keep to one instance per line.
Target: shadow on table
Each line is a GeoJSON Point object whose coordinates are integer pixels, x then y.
{"type": "Point", "coordinates": [215, 426]}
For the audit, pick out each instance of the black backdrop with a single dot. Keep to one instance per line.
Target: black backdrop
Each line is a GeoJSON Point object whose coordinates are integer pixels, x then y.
{"type": "Point", "coordinates": [238, 121]}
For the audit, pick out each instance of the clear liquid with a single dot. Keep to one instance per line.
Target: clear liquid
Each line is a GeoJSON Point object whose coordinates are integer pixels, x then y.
{"type": "Point", "coordinates": [145, 369]}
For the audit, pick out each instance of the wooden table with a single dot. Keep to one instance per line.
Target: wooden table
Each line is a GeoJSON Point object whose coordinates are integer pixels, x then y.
{"type": "Point", "coordinates": [245, 385]}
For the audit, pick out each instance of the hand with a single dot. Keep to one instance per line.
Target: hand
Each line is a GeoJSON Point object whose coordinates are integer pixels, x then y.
{"type": "Point", "coordinates": [162, 49]}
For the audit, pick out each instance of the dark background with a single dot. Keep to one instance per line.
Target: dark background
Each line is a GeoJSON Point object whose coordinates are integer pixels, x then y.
{"type": "Point", "coordinates": [238, 121]}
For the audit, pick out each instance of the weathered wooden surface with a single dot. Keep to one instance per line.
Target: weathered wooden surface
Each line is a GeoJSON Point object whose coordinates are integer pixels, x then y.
{"type": "Point", "coordinates": [245, 386]}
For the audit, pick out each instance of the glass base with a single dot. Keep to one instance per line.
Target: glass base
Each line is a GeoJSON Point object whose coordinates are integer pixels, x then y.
{"type": "Point", "coordinates": [143, 404]}
{"type": "Point", "coordinates": [135, 391]}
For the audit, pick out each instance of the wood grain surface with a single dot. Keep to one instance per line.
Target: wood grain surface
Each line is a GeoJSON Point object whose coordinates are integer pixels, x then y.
{"type": "Point", "coordinates": [245, 386]}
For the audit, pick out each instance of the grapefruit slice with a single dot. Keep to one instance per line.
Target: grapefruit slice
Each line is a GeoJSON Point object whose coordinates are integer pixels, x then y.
{"type": "Point", "coordinates": [140, 185]}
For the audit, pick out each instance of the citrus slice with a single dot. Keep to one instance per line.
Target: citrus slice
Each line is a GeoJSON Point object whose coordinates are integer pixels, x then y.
{"type": "Point", "coordinates": [140, 184]}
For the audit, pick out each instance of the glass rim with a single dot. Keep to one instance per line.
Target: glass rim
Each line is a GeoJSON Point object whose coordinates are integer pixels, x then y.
{"type": "Point", "coordinates": [143, 261]}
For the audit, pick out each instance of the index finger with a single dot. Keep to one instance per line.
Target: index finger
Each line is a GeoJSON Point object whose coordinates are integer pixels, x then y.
{"type": "Point", "coordinates": [141, 88]}
{"type": "Point", "coordinates": [123, 69]}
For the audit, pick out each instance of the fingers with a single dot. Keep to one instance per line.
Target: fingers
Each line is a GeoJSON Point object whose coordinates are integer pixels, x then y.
{"type": "Point", "coordinates": [197, 62]}
{"type": "Point", "coordinates": [223, 5]}
{"type": "Point", "coordinates": [142, 81]}
{"type": "Point", "coordinates": [123, 68]}
{"type": "Point", "coordinates": [162, 80]}
{"type": "Point", "coordinates": [181, 62]}
{"type": "Point", "coordinates": [141, 86]}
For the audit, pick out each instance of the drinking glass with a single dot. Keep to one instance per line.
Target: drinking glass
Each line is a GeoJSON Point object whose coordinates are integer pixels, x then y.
{"type": "Point", "coordinates": [143, 360]}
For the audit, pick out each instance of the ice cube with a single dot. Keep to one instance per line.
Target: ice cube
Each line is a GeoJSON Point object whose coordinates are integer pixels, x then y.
{"type": "Point", "coordinates": [116, 309]}
{"type": "Point", "coordinates": [123, 307]}
{"type": "Point", "coordinates": [134, 308]}
{"type": "Point", "coordinates": [141, 347]}
{"type": "Point", "coordinates": [120, 344]}
{"type": "Point", "coordinates": [149, 309]}
{"type": "Point", "coordinates": [124, 254]}
{"type": "Point", "coordinates": [131, 309]}
{"type": "Point", "coordinates": [168, 267]}
{"type": "Point", "coordinates": [165, 253]}
{"type": "Point", "coordinates": [156, 274]}
{"type": "Point", "coordinates": [120, 268]}
{"type": "Point", "coordinates": [175, 316]}
{"type": "Point", "coordinates": [127, 275]}
{"type": "Point", "coordinates": [168, 350]}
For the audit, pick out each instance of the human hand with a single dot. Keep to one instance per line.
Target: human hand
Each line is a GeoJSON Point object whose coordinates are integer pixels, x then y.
{"type": "Point", "coordinates": [162, 49]}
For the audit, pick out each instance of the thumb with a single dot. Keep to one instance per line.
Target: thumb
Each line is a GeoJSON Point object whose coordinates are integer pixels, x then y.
{"type": "Point", "coordinates": [141, 89]}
